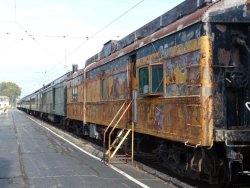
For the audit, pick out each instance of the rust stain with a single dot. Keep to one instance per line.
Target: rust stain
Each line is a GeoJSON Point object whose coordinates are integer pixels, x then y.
{"type": "Point", "coordinates": [247, 9]}
{"type": "Point", "coordinates": [224, 56]}
{"type": "Point", "coordinates": [181, 77]}
{"type": "Point", "coordinates": [219, 114]}
{"type": "Point", "coordinates": [206, 91]}
{"type": "Point", "coordinates": [185, 21]}
{"type": "Point", "coordinates": [149, 59]}
{"type": "Point", "coordinates": [180, 49]}
{"type": "Point", "coordinates": [109, 85]}
{"type": "Point", "coordinates": [235, 54]}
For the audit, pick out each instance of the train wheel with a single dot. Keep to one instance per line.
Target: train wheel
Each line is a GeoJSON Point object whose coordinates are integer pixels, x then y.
{"type": "Point", "coordinates": [224, 173]}
{"type": "Point", "coordinates": [216, 169]}
{"type": "Point", "coordinates": [79, 130]}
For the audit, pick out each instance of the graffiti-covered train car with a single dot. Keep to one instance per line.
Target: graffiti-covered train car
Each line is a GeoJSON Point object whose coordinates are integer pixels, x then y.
{"type": "Point", "coordinates": [187, 75]}
{"type": "Point", "coordinates": [179, 85]}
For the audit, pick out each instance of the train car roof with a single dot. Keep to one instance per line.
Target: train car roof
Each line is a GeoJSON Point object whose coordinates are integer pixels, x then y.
{"type": "Point", "coordinates": [228, 11]}
{"type": "Point", "coordinates": [176, 19]}
{"type": "Point", "coordinates": [51, 84]}
{"type": "Point", "coordinates": [185, 8]}
{"type": "Point", "coordinates": [76, 74]}
{"type": "Point", "coordinates": [57, 81]}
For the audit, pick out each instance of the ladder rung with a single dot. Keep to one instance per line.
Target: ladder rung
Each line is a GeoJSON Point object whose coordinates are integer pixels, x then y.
{"type": "Point", "coordinates": [120, 137]}
{"type": "Point", "coordinates": [119, 145]}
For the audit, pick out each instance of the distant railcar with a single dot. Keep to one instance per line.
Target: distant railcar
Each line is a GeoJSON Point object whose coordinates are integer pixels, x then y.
{"type": "Point", "coordinates": [184, 79]}
{"type": "Point", "coordinates": [75, 99]}
{"type": "Point", "coordinates": [49, 102]}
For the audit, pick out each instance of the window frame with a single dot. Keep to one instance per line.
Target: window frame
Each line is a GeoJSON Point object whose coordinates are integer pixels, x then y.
{"type": "Point", "coordinates": [141, 88]}
{"type": "Point", "coordinates": [150, 80]}
{"type": "Point", "coordinates": [74, 94]}
{"type": "Point", "coordinates": [159, 83]}
{"type": "Point", "coordinates": [104, 94]}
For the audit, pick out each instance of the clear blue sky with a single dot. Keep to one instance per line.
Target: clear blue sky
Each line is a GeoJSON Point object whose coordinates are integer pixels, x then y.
{"type": "Point", "coordinates": [33, 50]}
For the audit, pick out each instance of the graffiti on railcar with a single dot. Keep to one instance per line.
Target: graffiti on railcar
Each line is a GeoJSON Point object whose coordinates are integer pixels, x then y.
{"type": "Point", "coordinates": [159, 117]}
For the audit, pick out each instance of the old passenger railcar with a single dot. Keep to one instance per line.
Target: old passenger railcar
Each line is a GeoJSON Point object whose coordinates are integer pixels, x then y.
{"type": "Point", "coordinates": [167, 71]}
{"type": "Point", "coordinates": [189, 72]}
{"type": "Point", "coordinates": [75, 100]}
{"type": "Point", "coordinates": [52, 99]}
{"type": "Point", "coordinates": [49, 102]}
{"type": "Point", "coordinates": [184, 78]}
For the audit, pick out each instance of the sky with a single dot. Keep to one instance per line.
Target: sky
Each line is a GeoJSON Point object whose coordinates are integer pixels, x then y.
{"type": "Point", "coordinates": [41, 39]}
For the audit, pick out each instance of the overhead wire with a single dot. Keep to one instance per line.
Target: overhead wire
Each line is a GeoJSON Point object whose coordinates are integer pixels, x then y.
{"type": "Point", "coordinates": [103, 28]}
{"type": "Point", "coordinates": [36, 41]}
{"type": "Point", "coordinates": [11, 44]}
{"type": "Point", "coordinates": [100, 30]}
{"type": "Point", "coordinates": [87, 38]}
{"type": "Point", "coordinates": [53, 36]}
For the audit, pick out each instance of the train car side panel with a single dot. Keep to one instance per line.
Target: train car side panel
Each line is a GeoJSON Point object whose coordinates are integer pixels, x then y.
{"type": "Point", "coordinates": [75, 97]}
{"type": "Point", "coordinates": [106, 90]}
{"type": "Point", "coordinates": [169, 87]}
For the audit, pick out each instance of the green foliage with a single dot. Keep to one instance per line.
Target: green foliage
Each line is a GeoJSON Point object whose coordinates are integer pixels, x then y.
{"type": "Point", "coordinates": [11, 90]}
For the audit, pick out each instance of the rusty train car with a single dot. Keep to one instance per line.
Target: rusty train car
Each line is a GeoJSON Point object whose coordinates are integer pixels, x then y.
{"type": "Point", "coordinates": [184, 81]}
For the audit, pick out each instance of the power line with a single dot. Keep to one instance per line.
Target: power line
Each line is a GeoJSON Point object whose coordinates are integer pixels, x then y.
{"type": "Point", "coordinates": [15, 10]}
{"type": "Point", "coordinates": [34, 39]}
{"type": "Point", "coordinates": [54, 36]}
{"type": "Point", "coordinates": [103, 28]}
{"type": "Point", "coordinates": [12, 44]}
{"type": "Point", "coordinates": [99, 31]}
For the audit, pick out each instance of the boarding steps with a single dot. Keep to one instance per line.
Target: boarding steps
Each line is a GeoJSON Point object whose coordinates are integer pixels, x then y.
{"type": "Point", "coordinates": [115, 144]}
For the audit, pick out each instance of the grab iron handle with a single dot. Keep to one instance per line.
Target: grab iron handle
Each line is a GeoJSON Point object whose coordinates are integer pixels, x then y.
{"type": "Point", "coordinates": [247, 105]}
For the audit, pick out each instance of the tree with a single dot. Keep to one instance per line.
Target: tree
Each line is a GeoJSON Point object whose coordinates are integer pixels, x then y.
{"type": "Point", "coordinates": [11, 90]}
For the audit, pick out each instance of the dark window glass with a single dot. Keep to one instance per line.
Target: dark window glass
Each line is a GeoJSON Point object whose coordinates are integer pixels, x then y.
{"type": "Point", "coordinates": [104, 89]}
{"type": "Point", "coordinates": [157, 79]}
{"type": "Point", "coordinates": [74, 94]}
{"type": "Point", "coordinates": [54, 98]}
{"type": "Point", "coordinates": [143, 80]}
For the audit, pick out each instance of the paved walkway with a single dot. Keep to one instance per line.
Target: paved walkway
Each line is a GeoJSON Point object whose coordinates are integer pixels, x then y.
{"type": "Point", "coordinates": [31, 156]}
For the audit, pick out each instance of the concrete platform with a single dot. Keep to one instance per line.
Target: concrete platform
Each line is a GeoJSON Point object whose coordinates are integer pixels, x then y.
{"type": "Point", "coordinates": [31, 155]}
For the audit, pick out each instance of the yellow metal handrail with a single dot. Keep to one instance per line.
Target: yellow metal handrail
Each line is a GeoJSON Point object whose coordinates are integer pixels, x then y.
{"type": "Point", "coordinates": [105, 132]}
{"type": "Point", "coordinates": [112, 130]}
{"type": "Point", "coordinates": [119, 145]}
{"type": "Point", "coordinates": [114, 142]}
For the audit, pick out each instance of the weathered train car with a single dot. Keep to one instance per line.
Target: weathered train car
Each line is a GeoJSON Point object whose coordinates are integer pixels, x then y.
{"type": "Point", "coordinates": [49, 102]}
{"type": "Point", "coordinates": [189, 72]}
{"type": "Point", "coordinates": [75, 100]}
{"type": "Point", "coordinates": [24, 104]}
{"type": "Point", "coordinates": [52, 99]}
{"type": "Point", "coordinates": [183, 79]}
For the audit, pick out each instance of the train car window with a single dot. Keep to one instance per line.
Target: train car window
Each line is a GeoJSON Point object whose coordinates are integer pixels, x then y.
{"type": "Point", "coordinates": [143, 80]}
{"type": "Point", "coordinates": [74, 94]}
{"type": "Point", "coordinates": [104, 89]}
{"type": "Point", "coordinates": [157, 79]}
{"type": "Point", "coordinates": [37, 101]}
{"type": "Point", "coordinates": [54, 99]}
